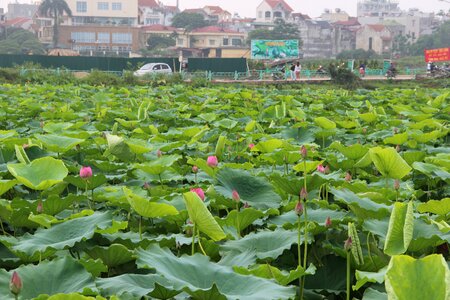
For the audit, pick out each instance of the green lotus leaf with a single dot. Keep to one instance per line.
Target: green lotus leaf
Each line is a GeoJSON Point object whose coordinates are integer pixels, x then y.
{"type": "Point", "coordinates": [226, 123]}
{"type": "Point", "coordinates": [269, 146]}
{"type": "Point", "coordinates": [355, 152]}
{"type": "Point", "coordinates": [6, 185]}
{"type": "Point", "coordinates": [147, 208]}
{"type": "Point", "coordinates": [270, 272]}
{"type": "Point", "coordinates": [266, 244]}
{"type": "Point", "coordinates": [256, 191]}
{"type": "Point", "coordinates": [202, 218]}
{"type": "Point", "coordinates": [310, 166]}
{"type": "Point", "coordinates": [62, 275]}
{"type": "Point", "coordinates": [58, 143]}
{"type": "Point", "coordinates": [413, 156]}
{"type": "Point", "coordinates": [246, 218]}
{"type": "Point", "coordinates": [198, 276]}
{"type": "Point", "coordinates": [372, 294]}
{"type": "Point", "coordinates": [438, 207]}
{"type": "Point", "coordinates": [400, 231]}
{"type": "Point", "coordinates": [119, 148]}
{"type": "Point", "coordinates": [431, 170]}
{"type": "Point", "coordinates": [366, 277]}
{"type": "Point", "coordinates": [112, 256]}
{"type": "Point", "coordinates": [293, 185]}
{"type": "Point", "coordinates": [63, 235]}
{"type": "Point", "coordinates": [425, 137]}
{"type": "Point", "coordinates": [57, 128]}
{"type": "Point", "coordinates": [325, 123]}
{"type": "Point", "coordinates": [95, 267]}
{"type": "Point", "coordinates": [137, 285]}
{"type": "Point", "coordinates": [139, 146]}
{"type": "Point", "coordinates": [71, 296]}
{"type": "Point", "coordinates": [368, 117]}
{"type": "Point", "coordinates": [208, 117]}
{"type": "Point", "coordinates": [40, 174]}
{"type": "Point", "coordinates": [159, 165]}
{"type": "Point", "coordinates": [317, 215]}
{"type": "Point", "coordinates": [397, 139]}
{"type": "Point", "coordinates": [417, 279]}
{"type": "Point", "coordinates": [389, 163]}
{"type": "Point", "coordinates": [92, 183]}
{"type": "Point", "coordinates": [6, 134]}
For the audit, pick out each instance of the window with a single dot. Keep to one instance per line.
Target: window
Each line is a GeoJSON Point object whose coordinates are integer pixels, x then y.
{"type": "Point", "coordinates": [212, 42]}
{"type": "Point", "coordinates": [83, 37]}
{"type": "Point", "coordinates": [370, 43]}
{"type": "Point", "coordinates": [236, 42]}
{"type": "Point", "coordinates": [102, 5]}
{"type": "Point", "coordinates": [164, 67]}
{"type": "Point", "coordinates": [151, 21]}
{"type": "Point", "coordinates": [267, 14]}
{"type": "Point", "coordinates": [260, 14]}
{"type": "Point", "coordinates": [277, 14]}
{"type": "Point", "coordinates": [180, 41]}
{"type": "Point", "coordinates": [103, 37]}
{"type": "Point", "coordinates": [121, 38]}
{"type": "Point", "coordinates": [157, 67]}
{"type": "Point", "coordinates": [116, 6]}
{"type": "Point", "coordinates": [225, 41]}
{"type": "Point", "coordinates": [81, 6]}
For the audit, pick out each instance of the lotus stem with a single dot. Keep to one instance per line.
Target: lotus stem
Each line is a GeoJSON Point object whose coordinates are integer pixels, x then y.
{"type": "Point", "coordinates": [237, 220]}
{"type": "Point", "coordinates": [140, 228]}
{"type": "Point", "coordinates": [87, 194]}
{"type": "Point", "coordinates": [193, 240]}
{"type": "Point", "coordinates": [348, 275]}
{"type": "Point", "coordinates": [305, 253]}
{"type": "Point", "coordinates": [200, 244]}
{"type": "Point", "coordinates": [299, 256]}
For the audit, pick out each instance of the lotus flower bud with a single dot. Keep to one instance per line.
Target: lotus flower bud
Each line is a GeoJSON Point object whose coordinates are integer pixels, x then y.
{"type": "Point", "coordinates": [395, 130]}
{"type": "Point", "coordinates": [299, 208]}
{"type": "Point", "coordinates": [303, 194]}
{"type": "Point", "coordinates": [320, 169]}
{"type": "Point", "coordinates": [246, 205]}
{"type": "Point", "coordinates": [85, 172]}
{"type": "Point", "coordinates": [146, 186]}
{"type": "Point", "coordinates": [328, 222]}
{"type": "Point", "coordinates": [235, 196]}
{"type": "Point", "coordinates": [327, 170]}
{"type": "Point", "coordinates": [212, 161]}
{"type": "Point", "coordinates": [15, 285]}
{"type": "Point", "coordinates": [304, 152]}
{"type": "Point", "coordinates": [348, 177]}
{"type": "Point", "coordinates": [159, 153]}
{"type": "Point", "coordinates": [364, 130]}
{"type": "Point", "coordinates": [348, 244]}
{"type": "Point", "coordinates": [397, 184]}
{"type": "Point", "coordinates": [194, 169]}
{"type": "Point", "coordinates": [397, 148]}
{"type": "Point", "coordinates": [251, 146]}
{"type": "Point", "coordinates": [40, 207]}
{"type": "Point", "coordinates": [199, 192]}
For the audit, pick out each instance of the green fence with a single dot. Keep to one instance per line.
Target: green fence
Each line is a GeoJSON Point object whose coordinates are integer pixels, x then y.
{"type": "Point", "coordinates": [217, 64]}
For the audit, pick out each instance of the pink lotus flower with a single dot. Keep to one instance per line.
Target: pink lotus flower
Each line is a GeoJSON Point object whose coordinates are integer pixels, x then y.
{"type": "Point", "coordinates": [194, 169]}
{"type": "Point", "coordinates": [159, 153]}
{"type": "Point", "coordinates": [199, 192]}
{"type": "Point", "coordinates": [304, 152]}
{"type": "Point", "coordinates": [235, 196]}
{"type": "Point", "coordinates": [303, 194]}
{"type": "Point", "coordinates": [299, 208]}
{"type": "Point", "coordinates": [85, 172]}
{"type": "Point", "coordinates": [15, 285]}
{"type": "Point", "coordinates": [40, 207]}
{"type": "Point", "coordinates": [348, 177]}
{"type": "Point", "coordinates": [251, 146]}
{"type": "Point", "coordinates": [396, 184]}
{"type": "Point", "coordinates": [212, 161]}
{"type": "Point", "coordinates": [146, 186]}
{"type": "Point", "coordinates": [328, 222]}
{"type": "Point", "coordinates": [246, 205]}
{"type": "Point", "coordinates": [320, 169]}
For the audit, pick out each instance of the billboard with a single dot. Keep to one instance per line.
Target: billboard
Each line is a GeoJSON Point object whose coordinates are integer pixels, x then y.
{"type": "Point", "coordinates": [274, 49]}
{"type": "Point", "coordinates": [441, 54]}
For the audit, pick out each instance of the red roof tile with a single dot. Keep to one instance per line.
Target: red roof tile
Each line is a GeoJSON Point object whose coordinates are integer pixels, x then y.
{"type": "Point", "coordinates": [148, 3]}
{"type": "Point", "coordinates": [213, 29]}
{"type": "Point", "coordinates": [274, 3]}
{"type": "Point", "coordinates": [17, 21]}
{"type": "Point", "coordinates": [377, 27]}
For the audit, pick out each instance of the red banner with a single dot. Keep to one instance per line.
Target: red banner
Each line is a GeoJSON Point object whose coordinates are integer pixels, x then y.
{"type": "Point", "coordinates": [441, 54]}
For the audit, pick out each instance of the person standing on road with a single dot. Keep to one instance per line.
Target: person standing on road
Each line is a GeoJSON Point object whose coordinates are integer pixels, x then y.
{"type": "Point", "coordinates": [292, 71]}
{"type": "Point", "coordinates": [297, 70]}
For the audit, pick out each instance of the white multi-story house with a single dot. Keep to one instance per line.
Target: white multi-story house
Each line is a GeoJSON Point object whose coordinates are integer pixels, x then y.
{"type": "Point", "coordinates": [270, 10]}
{"type": "Point", "coordinates": [152, 12]}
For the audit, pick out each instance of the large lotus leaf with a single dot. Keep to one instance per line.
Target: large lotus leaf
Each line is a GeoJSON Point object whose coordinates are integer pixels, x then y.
{"type": "Point", "coordinates": [6, 185]}
{"type": "Point", "coordinates": [293, 185]}
{"type": "Point", "coordinates": [431, 170]}
{"type": "Point", "coordinates": [438, 207]}
{"type": "Point", "coordinates": [366, 277]}
{"type": "Point", "coordinates": [118, 147]}
{"type": "Point", "coordinates": [58, 143]}
{"type": "Point", "coordinates": [389, 163]}
{"type": "Point", "coordinates": [355, 152]}
{"type": "Point", "coordinates": [159, 165]}
{"type": "Point", "coordinates": [397, 139]}
{"type": "Point", "coordinates": [325, 123]}
{"type": "Point", "coordinates": [362, 207]}
{"type": "Point", "coordinates": [400, 231]}
{"type": "Point", "coordinates": [246, 218]}
{"type": "Point", "coordinates": [147, 208]}
{"type": "Point", "coordinates": [197, 275]}
{"type": "Point", "coordinates": [57, 128]}
{"type": "Point", "coordinates": [425, 137]}
{"type": "Point", "coordinates": [328, 276]}
{"type": "Point", "coordinates": [72, 296]}
{"type": "Point", "coordinates": [254, 190]}
{"type": "Point", "coordinates": [138, 285]}
{"type": "Point", "coordinates": [92, 183]}
{"type": "Point", "coordinates": [6, 134]}
{"type": "Point", "coordinates": [271, 272]}
{"type": "Point", "coordinates": [40, 174]}
{"type": "Point", "coordinates": [112, 256]}
{"type": "Point", "coordinates": [266, 244]}
{"type": "Point", "coordinates": [371, 294]}
{"type": "Point", "coordinates": [62, 235]}
{"type": "Point", "coordinates": [418, 279]}
{"type": "Point", "coordinates": [308, 166]}
{"type": "Point", "coordinates": [201, 217]}
{"type": "Point", "coordinates": [226, 123]}
{"type": "Point", "coordinates": [62, 275]}
{"type": "Point", "coordinates": [317, 215]}
{"type": "Point", "coordinates": [269, 146]}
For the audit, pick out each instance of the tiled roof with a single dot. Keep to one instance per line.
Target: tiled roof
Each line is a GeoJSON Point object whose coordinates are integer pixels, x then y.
{"type": "Point", "coordinates": [148, 3]}
{"type": "Point", "coordinates": [274, 3]}
{"type": "Point", "coordinates": [17, 21]}
{"type": "Point", "coordinates": [213, 29]}
{"type": "Point", "coordinates": [377, 27]}
{"type": "Point", "coordinates": [350, 22]}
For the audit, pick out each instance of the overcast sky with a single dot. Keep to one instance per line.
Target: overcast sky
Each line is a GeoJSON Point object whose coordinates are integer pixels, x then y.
{"type": "Point", "coordinates": [247, 8]}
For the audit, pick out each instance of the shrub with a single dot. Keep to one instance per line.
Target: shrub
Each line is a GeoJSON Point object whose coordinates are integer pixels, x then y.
{"type": "Point", "coordinates": [97, 77]}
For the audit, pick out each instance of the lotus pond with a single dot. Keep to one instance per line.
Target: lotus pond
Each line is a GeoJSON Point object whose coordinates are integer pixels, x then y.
{"type": "Point", "coordinates": [223, 193]}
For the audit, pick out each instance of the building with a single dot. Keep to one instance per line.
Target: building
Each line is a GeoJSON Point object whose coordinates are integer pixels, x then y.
{"type": "Point", "coordinates": [152, 12]}
{"type": "Point", "coordinates": [270, 10]}
{"type": "Point", "coordinates": [344, 35]}
{"type": "Point", "coordinates": [334, 16]}
{"type": "Point", "coordinates": [218, 14]}
{"type": "Point", "coordinates": [19, 10]}
{"type": "Point", "coordinates": [101, 27]}
{"type": "Point", "coordinates": [378, 8]}
{"type": "Point", "coordinates": [376, 37]}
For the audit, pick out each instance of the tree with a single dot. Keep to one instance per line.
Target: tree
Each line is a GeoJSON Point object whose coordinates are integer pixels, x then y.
{"type": "Point", "coordinates": [189, 21]}
{"type": "Point", "coordinates": [357, 54]}
{"type": "Point", "coordinates": [20, 41]}
{"type": "Point", "coordinates": [439, 39]}
{"type": "Point", "coordinates": [281, 31]}
{"type": "Point", "coordinates": [156, 41]}
{"type": "Point", "coordinates": [55, 9]}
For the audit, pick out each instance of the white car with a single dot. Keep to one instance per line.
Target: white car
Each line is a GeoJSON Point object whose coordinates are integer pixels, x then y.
{"type": "Point", "coordinates": [153, 68]}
